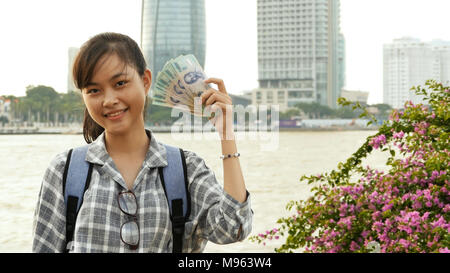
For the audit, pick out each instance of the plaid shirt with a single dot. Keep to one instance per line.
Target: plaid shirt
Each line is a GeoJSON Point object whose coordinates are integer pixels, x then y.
{"type": "Point", "coordinates": [215, 216]}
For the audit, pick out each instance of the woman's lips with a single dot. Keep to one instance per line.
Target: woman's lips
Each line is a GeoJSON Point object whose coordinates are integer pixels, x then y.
{"type": "Point", "coordinates": [116, 115]}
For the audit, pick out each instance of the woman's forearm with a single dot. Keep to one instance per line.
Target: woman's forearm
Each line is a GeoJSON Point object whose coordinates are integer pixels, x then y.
{"type": "Point", "coordinates": [234, 183]}
{"type": "Point", "coordinates": [221, 105]}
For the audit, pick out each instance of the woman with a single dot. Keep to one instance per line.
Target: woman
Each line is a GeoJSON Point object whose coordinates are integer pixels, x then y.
{"type": "Point", "coordinates": [111, 73]}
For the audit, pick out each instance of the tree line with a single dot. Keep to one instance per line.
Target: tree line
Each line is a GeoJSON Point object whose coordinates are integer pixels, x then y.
{"type": "Point", "coordinates": [42, 104]}
{"type": "Point", "coordinates": [318, 111]}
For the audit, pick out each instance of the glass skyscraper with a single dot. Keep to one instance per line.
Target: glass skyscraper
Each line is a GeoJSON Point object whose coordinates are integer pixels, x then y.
{"type": "Point", "coordinates": [170, 28]}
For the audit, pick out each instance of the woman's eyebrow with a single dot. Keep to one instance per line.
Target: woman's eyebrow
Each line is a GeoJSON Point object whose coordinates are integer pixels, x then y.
{"type": "Point", "coordinates": [118, 75]}
{"type": "Point", "coordinates": [112, 78]}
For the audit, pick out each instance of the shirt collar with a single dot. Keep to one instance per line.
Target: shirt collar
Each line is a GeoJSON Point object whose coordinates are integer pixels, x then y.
{"type": "Point", "coordinates": [156, 154]}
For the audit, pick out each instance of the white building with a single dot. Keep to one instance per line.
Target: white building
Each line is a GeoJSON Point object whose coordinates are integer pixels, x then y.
{"type": "Point", "coordinates": [408, 62]}
{"type": "Point", "coordinates": [355, 96]}
{"type": "Point", "coordinates": [283, 97]}
{"type": "Point", "coordinates": [301, 51]}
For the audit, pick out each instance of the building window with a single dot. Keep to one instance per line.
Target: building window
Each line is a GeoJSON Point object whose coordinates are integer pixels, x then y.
{"type": "Point", "coordinates": [295, 94]}
{"type": "Point", "coordinates": [269, 97]}
{"type": "Point", "coordinates": [281, 96]}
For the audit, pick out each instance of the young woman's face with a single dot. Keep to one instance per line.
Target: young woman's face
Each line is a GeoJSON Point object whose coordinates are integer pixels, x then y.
{"type": "Point", "coordinates": [115, 97]}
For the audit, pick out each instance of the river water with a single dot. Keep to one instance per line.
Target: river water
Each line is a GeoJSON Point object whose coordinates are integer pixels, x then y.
{"type": "Point", "coordinates": [272, 170]}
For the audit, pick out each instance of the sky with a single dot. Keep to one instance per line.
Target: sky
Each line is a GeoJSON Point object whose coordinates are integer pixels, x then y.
{"type": "Point", "coordinates": [35, 36]}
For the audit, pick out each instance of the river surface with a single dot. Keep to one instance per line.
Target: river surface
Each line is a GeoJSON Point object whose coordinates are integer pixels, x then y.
{"type": "Point", "coordinates": [272, 167]}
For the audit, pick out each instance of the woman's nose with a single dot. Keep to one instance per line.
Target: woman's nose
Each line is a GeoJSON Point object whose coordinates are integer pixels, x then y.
{"type": "Point", "coordinates": [110, 98]}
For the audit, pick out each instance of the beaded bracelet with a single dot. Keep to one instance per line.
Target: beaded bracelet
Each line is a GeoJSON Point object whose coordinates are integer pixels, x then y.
{"type": "Point", "coordinates": [230, 155]}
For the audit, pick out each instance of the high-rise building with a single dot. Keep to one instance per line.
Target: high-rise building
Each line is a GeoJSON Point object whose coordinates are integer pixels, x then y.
{"type": "Point", "coordinates": [408, 62]}
{"type": "Point", "coordinates": [301, 50]}
{"type": "Point", "coordinates": [170, 28]}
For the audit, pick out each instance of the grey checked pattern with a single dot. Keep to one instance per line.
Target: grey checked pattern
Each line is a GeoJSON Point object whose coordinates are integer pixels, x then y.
{"type": "Point", "coordinates": [215, 215]}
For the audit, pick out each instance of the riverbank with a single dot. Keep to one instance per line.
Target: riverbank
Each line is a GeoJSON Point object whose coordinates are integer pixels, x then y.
{"type": "Point", "coordinates": [165, 129]}
{"type": "Point", "coordinates": [40, 131]}
{"type": "Point", "coordinates": [306, 125]}
{"type": "Point", "coordinates": [328, 129]}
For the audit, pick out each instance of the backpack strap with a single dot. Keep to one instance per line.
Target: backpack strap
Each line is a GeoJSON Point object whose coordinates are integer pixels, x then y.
{"type": "Point", "coordinates": [76, 179]}
{"type": "Point", "coordinates": [175, 184]}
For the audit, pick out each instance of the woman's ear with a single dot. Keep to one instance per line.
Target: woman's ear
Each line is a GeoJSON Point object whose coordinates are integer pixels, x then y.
{"type": "Point", "coordinates": [147, 78]}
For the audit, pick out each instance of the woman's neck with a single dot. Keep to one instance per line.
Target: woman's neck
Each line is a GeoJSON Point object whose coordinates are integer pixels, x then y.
{"type": "Point", "coordinates": [131, 143]}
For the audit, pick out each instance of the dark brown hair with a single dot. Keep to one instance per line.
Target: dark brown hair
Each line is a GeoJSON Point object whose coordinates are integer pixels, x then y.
{"type": "Point", "coordinates": [86, 61]}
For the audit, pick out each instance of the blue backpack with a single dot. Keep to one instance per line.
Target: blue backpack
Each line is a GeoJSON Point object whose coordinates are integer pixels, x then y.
{"type": "Point", "coordinates": [77, 176]}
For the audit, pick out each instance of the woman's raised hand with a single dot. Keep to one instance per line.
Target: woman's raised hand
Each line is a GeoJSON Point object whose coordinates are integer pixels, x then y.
{"type": "Point", "coordinates": [220, 104]}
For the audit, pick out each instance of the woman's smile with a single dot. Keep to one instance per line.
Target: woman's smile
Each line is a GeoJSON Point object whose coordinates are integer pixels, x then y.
{"type": "Point", "coordinates": [115, 115]}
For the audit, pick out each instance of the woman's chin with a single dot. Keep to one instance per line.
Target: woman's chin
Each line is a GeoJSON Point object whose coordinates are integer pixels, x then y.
{"type": "Point", "coordinates": [113, 130]}
{"type": "Point", "coordinates": [121, 129]}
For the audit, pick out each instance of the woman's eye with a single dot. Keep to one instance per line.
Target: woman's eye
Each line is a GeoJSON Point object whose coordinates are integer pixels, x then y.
{"type": "Point", "coordinates": [92, 91]}
{"type": "Point", "coordinates": [121, 83]}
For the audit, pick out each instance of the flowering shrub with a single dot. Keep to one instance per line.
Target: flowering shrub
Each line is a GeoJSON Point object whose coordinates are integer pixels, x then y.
{"type": "Point", "coordinates": [406, 209]}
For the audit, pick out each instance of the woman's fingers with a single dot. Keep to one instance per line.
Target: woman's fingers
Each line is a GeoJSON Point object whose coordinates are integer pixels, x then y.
{"type": "Point", "coordinates": [211, 96]}
{"type": "Point", "coordinates": [219, 82]}
{"type": "Point", "coordinates": [226, 108]}
{"type": "Point", "coordinates": [211, 99]}
{"type": "Point", "coordinates": [216, 110]}
{"type": "Point", "coordinates": [219, 103]}
{"type": "Point", "coordinates": [220, 108]}
{"type": "Point", "coordinates": [206, 95]}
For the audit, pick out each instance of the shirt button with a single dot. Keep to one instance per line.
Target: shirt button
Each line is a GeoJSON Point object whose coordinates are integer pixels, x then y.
{"type": "Point", "coordinates": [241, 212]}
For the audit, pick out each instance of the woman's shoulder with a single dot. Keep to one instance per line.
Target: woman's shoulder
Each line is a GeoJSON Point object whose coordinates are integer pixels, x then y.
{"type": "Point", "coordinates": [58, 161]}
{"type": "Point", "coordinates": [60, 158]}
{"type": "Point", "coordinates": [195, 164]}
{"type": "Point", "coordinates": [188, 155]}
{"type": "Point", "coordinates": [54, 173]}
{"type": "Point", "coordinates": [192, 157]}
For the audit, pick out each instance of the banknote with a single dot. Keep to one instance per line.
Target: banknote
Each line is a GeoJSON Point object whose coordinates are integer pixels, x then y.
{"type": "Point", "coordinates": [180, 81]}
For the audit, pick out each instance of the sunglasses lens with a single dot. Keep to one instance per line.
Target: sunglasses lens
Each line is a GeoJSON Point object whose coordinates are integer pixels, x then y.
{"type": "Point", "coordinates": [130, 233]}
{"type": "Point", "coordinates": [127, 203]}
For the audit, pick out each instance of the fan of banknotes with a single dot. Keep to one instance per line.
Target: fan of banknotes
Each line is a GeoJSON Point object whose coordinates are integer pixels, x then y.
{"type": "Point", "coordinates": [179, 84]}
